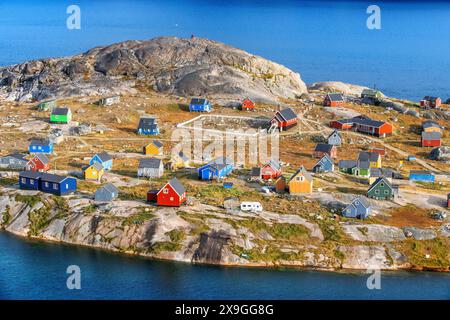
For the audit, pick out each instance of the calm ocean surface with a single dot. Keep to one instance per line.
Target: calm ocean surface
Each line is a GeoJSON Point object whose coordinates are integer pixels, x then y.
{"type": "Point", "coordinates": [323, 40]}
{"type": "Point", "coordinates": [37, 270]}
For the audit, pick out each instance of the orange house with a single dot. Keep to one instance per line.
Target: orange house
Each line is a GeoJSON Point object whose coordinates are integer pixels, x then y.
{"type": "Point", "coordinates": [280, 185]}
{"type": "Point", "coordinates": [301, 182]}
{"type": "Point", "coordinates": [248, 105]}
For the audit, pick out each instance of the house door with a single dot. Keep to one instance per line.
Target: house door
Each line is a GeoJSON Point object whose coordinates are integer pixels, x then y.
{"type": "Point", "coordinates": [206, 175]}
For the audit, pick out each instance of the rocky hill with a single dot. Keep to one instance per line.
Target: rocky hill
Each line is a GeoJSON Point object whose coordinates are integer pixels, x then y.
{"type": "Point", "coordinates": [182, 67]}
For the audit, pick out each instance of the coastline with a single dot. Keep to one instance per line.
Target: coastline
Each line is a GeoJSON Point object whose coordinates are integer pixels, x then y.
{"type": "Point", "coordinates": [265, 266]}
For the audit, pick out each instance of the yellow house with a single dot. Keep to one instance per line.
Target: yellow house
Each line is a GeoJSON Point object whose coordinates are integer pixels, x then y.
{"type": "Point", "coordinates": [432, 126]}
{"type": "Point", "coordinates": [374, 158]}
{"type": "Point", "coordinates": [301, 182]}
{"type": "Point", "coordinates": [155, 148]}
{"type": "Point", "coordinates": [94, 172]}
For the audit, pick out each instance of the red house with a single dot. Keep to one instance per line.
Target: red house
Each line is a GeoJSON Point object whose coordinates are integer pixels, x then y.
{"type": "Point", "coordinates": [172, 194]}
{"type": "Point", "coordinates": [248, 105]}
{"type": "Point", "coordinates": [284, 119]}
{"type": "Point", "coordinates": [325, 148]}
{"type": "Point", "coordinates": [431, 139]}
{"type": "Point", "coordinates": [430, 102]}
{"type": "Point", "coordinates": [333, 100]}
{"type": "Point", "coordinates": [448, 200]}
{"type": "Point", "coordinates": [364, 125]}
{"type": "Point", "coordinates": [39, 163]}
{"type": "Point", "coordinates": [271, 170]}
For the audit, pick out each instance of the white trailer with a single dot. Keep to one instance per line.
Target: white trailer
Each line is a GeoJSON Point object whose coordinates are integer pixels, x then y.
{"type": "Point", "coordinates": [251, 206]}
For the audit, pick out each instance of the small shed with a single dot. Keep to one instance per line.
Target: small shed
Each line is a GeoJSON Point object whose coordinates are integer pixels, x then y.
{"type": "Point", "coordinates": [154, 148]}
{"type": "Point", "coordinates": [333, 100]}
{"type": "Point", "coordinates": [216, 169]}
{"type": "Point", "coordinates": [255, 173]}
{"type": "Point", "coordinates": [173, 194]}
{"type": "Point", "coordinates": [432, 126]}
{"type": "Point", "coordinates": [61, 115]}
{"type": "Point", "coordinates": [109, 101]}
{"type": "Point", "coordinates": [271, 170]}
{"type": "Point", "coordinates": [104, 159]}
{"type": "Point", "coordinates": [248, 105]}
{"type": "Point", "coordinates": [231, 204]}
{"type": "Point", "coordinates": [94, 171]}
{"type": "Point", "coordinates": [335, 138]}
{"type": "Point", "coordinates": [40, 162]}
{"type": "Point", "coordinates": [106, 193]}
{"type": "Point", "coordinates": [324, 164]}
{"type": "Point", "coordinates": [152, 195]}
{"type": "Point", "coordinates": [381, 189]}
{"type": "Point", "coordinates": [430, 102]}
{"type": "Point", "coordinates": [40, 146]}
{"type": "Point", "coordinates": [280, 185]}
{"type": "Point", "coordinates": [421, 176]}
{"type": "Point", "coordinates": [284, 119]}
{"type": "Point", "coordinates": [200, 105]}
{"type": "Point", "coordinates": [360, 208]}
{"type": "Point", "coordinates": [150, 168]}
{"type": "Point", "coordinates": [322, 149]}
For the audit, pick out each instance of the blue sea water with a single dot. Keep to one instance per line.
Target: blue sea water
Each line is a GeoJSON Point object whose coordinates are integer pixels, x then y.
{"type": "Point", "coordinates": [37, 270]}
{"type": "Point", "coordinates": [323, 40]}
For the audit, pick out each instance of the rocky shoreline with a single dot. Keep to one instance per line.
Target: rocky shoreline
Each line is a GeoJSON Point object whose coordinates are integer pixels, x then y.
{"type": "Point", "coordinates": [170, 234]}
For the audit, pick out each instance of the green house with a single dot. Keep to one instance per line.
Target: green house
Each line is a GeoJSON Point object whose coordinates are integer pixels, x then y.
{"type": "Point", "coordinates": [61, 115]}
{"type": "Point", "coordinates": [47, 105]}
{"type": "Point", "coordinates": [356, 168]}
{"type": "Point", "coordinates": [371, 93]}
{"type": "Point", "coordinates": [381, 189]}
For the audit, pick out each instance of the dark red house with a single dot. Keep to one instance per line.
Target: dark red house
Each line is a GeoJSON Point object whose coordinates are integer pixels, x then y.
{"type": "Point", "coordinates": [325, 148]}
{"type": "Point", "coordinates": [364, 125]}
{"type": "Point", "coordinates": [248, 105]}
{"type": "Point", "coordinates": [430, 102]}
{"type": "Point", "coordinates": [448, 200]}
{"type": "Point", "coordinates": [39, 163]}
{"type": "Point", "coordinates": [271, 170]}
{"type": "Point", "coordinates": [172, 194]}
{"type": "Point", "coordinates": [333, 100]}
{"type": "Point", "coordinates": [380, 151]}
{"type": "Point", "coordinates": [431, 139]}
{"type": "Point", "coordinates": [152, 195]}
{"type": "Point", "coordinates": [284, 119]}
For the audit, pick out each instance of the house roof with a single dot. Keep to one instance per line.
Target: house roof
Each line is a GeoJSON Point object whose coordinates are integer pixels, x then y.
{"type": "Point", "coordinates": [430, 98]}
{"type": "Point", "coordinates": [40, 142]}
{"type": "Point", "coordinates": [104, 156]}
{"type": "Point", "coordinates": [335, 132]}
{"type": "Point", "coordinates": [148, 123]}
{"type": "Point", "coordinates": [347, 164]}
{"type": "Point", "coordinates": [325, 157]}
{"type": "Point", "coordinates": [335, 97]}
{"type": "Point", "coordinates": [431, 135]}
{"type": "Point", "coordinates": [109, 187]}
{"type": "Point", "coordinates": [323, 147]}
{"type": "Point", "coordinates": [362, 121]}
{"type": "Point", "coordinates": [431, 123]}
{"type": "Point", "coordinates": [198, 101]}
{"type": "Point", "coordinates": [52, 177]}
{"type": "Point", "coordinates": [370, 92]}
{"type": "Point", "coordinates": [274, 164]}
{"type": "Point", "coordinates": [97, 166]}
{"type": "Point", "coordinates": [302, 171]}
{"type": "Point", "coordinates": [381, 172]}
{"type": "Point", "coordinates": [30, 174]}
{"type": "Point", "coordinates": [363, 200]}
{"type": "Point", "coordinates": [287, 114]}
{"type": "Point", "coordinates": [363, 164]}
{"type": "Point", "coordinates": [421, 172]}
{"type": "Point", "coordinates": [177, 186]}
{"type": "Point", "coordinates": [157, 143]}
{"type": "Point", "coordinates": [369, 156]}
{"type": "Point", "coordinates": [378, 181]}
{"type": "Point", "coordinates": [153, 163]}
{"type": "Point", "coordinates": [16, 155]}
{"type": "Point", "coordinates": [42, 157]}
{"type": "Point", "coordinates": [220, 162]}
{"type": "Point", "coordinates": [60, 111]}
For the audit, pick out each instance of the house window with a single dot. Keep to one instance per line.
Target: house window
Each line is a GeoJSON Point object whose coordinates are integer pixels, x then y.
{"type": "Point", "coordinates": [31, 181]}
{"type": "Point", "coordinates": [24, 180]}
{"type": "Point", "coordinates": [377, 191]}
{"type": "Point", "coordinates": [382, 184]}
{"type": "Point", "coordinates": [46, 184]}
{"type": "Point", "coordinates": [166, 191]}
{"type": "Point", "coordinates": [171, 198]}
{"type": "Point", "coordinates": [55, 186]}
{"type": "Point", "coordinates": [386, 191]}
{"type": "Point", "coordinates": [67, 186]}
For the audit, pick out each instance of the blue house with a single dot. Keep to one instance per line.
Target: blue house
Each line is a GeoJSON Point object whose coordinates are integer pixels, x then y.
{"type": "Point", "coordinates": [421, 175]}
{"type": "Point", "coordinates": [104, 159]}
{"type": "Point", "coordinates": [40, 146]}
{"type": "Point", "coordinates": [334, 138]}
{"type": "Point", "coordinates": [29, 180]}
{"type": "Point", "coordinates": [148, 126]}
{"type": "Point", "coordinates": [46, 182]}
{"type": "Point", "coordinates": [325, 164]}
{"type": "Point", "coordinates": [216, 169]}
{"type": "Point", "coordinates": [198, 104]}
{"type": "Point", "coordinates": [359, 208]}
{"type": "Point", "coordinates": [59, 185]}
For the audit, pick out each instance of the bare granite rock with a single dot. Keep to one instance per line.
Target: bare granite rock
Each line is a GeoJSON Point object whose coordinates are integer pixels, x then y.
{"type": "Point", "coordinates": [182, 67]}
{"type": "Point", "coordinates": [336, 86]}
{"type": "Point", "coordinates": [374, 232]}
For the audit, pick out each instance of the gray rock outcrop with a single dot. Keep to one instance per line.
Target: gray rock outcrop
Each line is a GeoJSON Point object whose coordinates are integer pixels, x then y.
{"type": "Point", "coordinates": [182, 67]}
